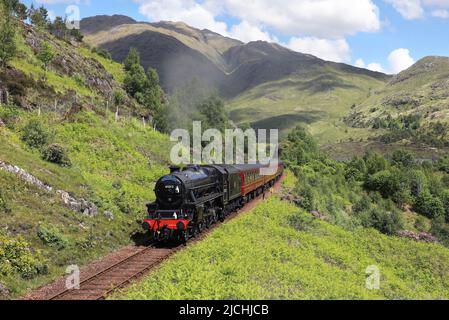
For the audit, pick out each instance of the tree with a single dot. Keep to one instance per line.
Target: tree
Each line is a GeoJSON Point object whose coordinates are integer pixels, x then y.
{"type": "Point", "coordinates": [136, 82]}
{"type": "Point", "coordinates": [58, 27]}
{"type": "Point", "coordinates": [132, 59]}
{"type": "Point", "coordinates": [430, 206]}
{"type": "Point", "coordinates": [213, 114]}
{"type": "Point", "coordinates": [7, 33]}
{"type": "Point", "coordinates": [21, 11]}
{"type": "Point", "coordinates": [375, 162]}
{"type": "Point", "coordinates": [38, 17]}
{"type": "Point", "coordinates": [46, 54]}
{"type": "Point", "coordinates": [403, 158]}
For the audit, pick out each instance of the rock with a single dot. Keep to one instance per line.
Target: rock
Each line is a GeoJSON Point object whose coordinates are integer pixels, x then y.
{"type": "Point", "coordinates": [77, 205]}
{"type": "Point", "coordinates": [318, 215]}
{"type": "Point", "coordinates": [109, 215]}
{"type": "Point", "coordinates": [4, 291]}
{"type": "Point", "coordinates": [2, 124]}
{"type": "Point", "coordinates": [420, 237]}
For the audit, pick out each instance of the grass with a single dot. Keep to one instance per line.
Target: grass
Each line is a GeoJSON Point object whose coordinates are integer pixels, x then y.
{"type": "Point", "coordinates": [115, 165]}
{"type": "Point", "coordinates": [278, 251]}
{"type": "Point", "coordinates": [316, 100]}
{"type": "Point", "coordinates": [27, 62]}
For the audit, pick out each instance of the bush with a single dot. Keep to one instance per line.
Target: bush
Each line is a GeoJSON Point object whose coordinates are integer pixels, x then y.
{"type": "Point", "coordinates": [385, 182]}
{"type": "Point", "coordinates": [386, 222]}
{"type": "Point", "coordinates": [56, 154]}
{"type": "Point", "coordinates": [34, 134]}
{"type": "Point", "coordinates": [15, 256]}
{"type": "Point", "coordinates": [403, 158]}
{"type": "Point", "coordinates": [429, 206]}
{"type": "Point", "coordinates": [51, 236]}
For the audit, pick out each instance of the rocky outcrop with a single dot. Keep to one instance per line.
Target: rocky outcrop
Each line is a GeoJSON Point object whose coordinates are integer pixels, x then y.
{"type": "Point", "coordinates": [77, 205]}
{"type": "Point", "coordinates": [420, 237]}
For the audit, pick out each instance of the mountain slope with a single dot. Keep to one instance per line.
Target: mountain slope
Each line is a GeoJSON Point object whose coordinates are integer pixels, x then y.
{"type": "Point", "coordinates": [180, 52]}
{"type": "Point", "coordinates": [421, 90]}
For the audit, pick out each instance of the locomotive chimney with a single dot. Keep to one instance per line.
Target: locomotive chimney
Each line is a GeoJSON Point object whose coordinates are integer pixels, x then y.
{"type": "Point", "coordinates": [174, 169]}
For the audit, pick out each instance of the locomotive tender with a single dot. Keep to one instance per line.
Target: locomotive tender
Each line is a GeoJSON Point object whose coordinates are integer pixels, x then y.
{"type": "Point", "coordinates": [194, 198]}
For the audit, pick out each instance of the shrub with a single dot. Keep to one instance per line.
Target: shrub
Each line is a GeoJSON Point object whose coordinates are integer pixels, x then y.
{"type": "Point", "coordinates": [51, 236]}
{"type": "Point", "coordinates": [79, 79]}
{"type": "Point", "coordinates": [429, 206]}
{"type": "Point", "coordinates": [9, 115]}
{"type": "Point", "coordinates": [46, 54]}
{"type": "Point", "coordinates": [56, 154]}
{"type": "Point", "coordinates": [375, 163]}
{"type": "Point", "coordinates": [34, 134]}
{"type": "Point", "coordinates": [15, 256]}
{"type": "Point", "coordinates": [403, 158]}
{"type": "Point", "coordinates": [386, 222]}
{"type": "Point", "coordinates": [385, 182]}
{"type": "Point", "coordinates": [443, 163]}
{"type": "Point", "coordinates": [417, 181]}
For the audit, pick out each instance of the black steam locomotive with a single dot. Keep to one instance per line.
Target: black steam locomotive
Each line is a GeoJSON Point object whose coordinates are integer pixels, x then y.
{"type": "Point", "coordinates": [194, 198]}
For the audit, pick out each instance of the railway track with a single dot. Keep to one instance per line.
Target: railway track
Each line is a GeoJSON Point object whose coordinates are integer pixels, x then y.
{"type": "Point", "coordinates": [118, 275]}
{"type": "Point", "coordinates": [101, 284]}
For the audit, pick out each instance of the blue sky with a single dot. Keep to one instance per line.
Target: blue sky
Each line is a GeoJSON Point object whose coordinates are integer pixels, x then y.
{"type": "Point", "coordinates": [384, 35]}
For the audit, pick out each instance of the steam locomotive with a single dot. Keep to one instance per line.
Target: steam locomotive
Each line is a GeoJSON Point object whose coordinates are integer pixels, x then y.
{"type": "Point", "coordinates": [192, 199]}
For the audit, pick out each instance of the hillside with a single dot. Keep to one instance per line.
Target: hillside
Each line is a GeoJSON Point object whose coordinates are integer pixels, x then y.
{"type": "Point", "coordinates": [413, 107]}
{"type": "Point", "coordinates": [292, 256]}
{"type": "Point", "coordinates": [422, 90]}
{"type": "Point", "coordinates": [74, 178]}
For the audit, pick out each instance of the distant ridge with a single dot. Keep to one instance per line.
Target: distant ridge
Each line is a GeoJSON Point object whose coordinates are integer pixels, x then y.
{"type": "Point", "coordinates": [180, 52]}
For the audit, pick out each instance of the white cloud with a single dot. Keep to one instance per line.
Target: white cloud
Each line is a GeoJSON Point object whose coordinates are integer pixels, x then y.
{"type": "Point", "coordinates": [400, 60]}
{"type": "Point", "coordinates": [409, 9]}
{"type": "Point", "coordinates": [247, 32]}
{"type": "Point", "coordinates": [314, 18]}
{"type": "Point", "coordinates": [333, 50]}
{"type": "Point", "coordinates": [416, 9]}
{"type": "Point", "coordinates": [374, 66]}
{"type": "Point", "coordinates": [188, 11]}
{"type": "Point", "coordinates": [441, 13]}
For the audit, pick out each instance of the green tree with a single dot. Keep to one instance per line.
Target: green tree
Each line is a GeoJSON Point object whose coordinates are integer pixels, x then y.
{"type": "Point", "coordinates": [429, 206]}
{"type": "Point", "coordinates": [46, 54]}
{"type": "Point", "coordinates": [375, 162]}
{"type": "Point", "coordinates": [38, 17]}
{"type": "Point", "coordinates": [7, 33]}
{"type": "Point", "coordinates": [136, 82]}
{"type": "Point", "coordinates": [403, 158]}
{"type": "Point", "coordinates": [212, 113]}
{"type": "Point", "coordinates": [132, 59]}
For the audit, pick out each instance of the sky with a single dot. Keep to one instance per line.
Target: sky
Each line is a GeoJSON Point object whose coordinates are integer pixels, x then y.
{"type": "Point", "coordinates": [381, 35]}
